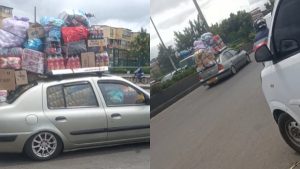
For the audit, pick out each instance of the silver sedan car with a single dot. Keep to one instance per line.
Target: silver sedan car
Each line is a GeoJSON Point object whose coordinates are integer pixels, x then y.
{"type": "Point", "coordinates": [43, 119]}
{"type": "Point", "coordinates": [228, 63]}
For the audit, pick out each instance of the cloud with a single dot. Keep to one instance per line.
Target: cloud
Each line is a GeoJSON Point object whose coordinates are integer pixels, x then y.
{"type": "Point", "coordinates": [133, 12]}
{"type": "Point", "coordinates": [178, 18]}
{"type": "Point", "coordinates": [159, 6]}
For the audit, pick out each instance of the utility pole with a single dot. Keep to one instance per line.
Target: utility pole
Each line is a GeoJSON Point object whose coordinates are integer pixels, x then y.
{"type": "Point", "coordinates": [201, 16]}
{"type": "Point", "coordinates": [162, 43]}
{"type": "Point", "coordinates": [34, 14]}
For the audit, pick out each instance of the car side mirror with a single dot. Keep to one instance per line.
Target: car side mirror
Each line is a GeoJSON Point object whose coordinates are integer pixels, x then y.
{"type": "Point", "coordinates": [263, 54]}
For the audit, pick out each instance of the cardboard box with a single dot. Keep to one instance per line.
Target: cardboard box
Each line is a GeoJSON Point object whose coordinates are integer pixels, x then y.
{"type": "Point", "coordinates": [96, 43]}
{"type": "Point", "coordinates": [21, 77]}
{"type": "Point", "coordinates": [36, 31]}
{"type": "Point", "coordinates": [88, 59]}
{"type": "Point", "coordinates": [7, 79]}
{"type": "Point", "coordinates": [33, 61]}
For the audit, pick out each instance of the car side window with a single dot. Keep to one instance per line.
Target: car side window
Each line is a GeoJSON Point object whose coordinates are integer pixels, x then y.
{"type": "Point", "coordinates": [227, 56]}
{"type": "Point", "coordinates": [80, 95]}
{"type": "Point", "coordinates": [120, 94]}
{"type": "Point", "coordinates": [286, 35]}
{"type": "Point", "coordinates": [55, 97]}
{"type": "Point", "coordinates": [71, 95]}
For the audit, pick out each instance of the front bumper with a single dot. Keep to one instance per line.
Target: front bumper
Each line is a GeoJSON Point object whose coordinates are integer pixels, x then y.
{"type": "Point", "coordinates": [214, 79]}
{"type": "Point", "coordinates": [13, 142]}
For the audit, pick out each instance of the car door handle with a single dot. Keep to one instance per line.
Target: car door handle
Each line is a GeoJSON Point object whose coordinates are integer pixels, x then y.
{"type": "Point", "coordinates": [116, 116]}
{"type": "Point", "coordinates": [60, 118]}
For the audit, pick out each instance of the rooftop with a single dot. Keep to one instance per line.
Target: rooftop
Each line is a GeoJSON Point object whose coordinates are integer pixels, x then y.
{"type": "Point", "coordinates": [6, 7]}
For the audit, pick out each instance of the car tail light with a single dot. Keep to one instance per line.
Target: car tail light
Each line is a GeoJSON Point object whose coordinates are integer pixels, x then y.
{"type": "Point", "coordinates": [220, 67]}
{"type": "Point", "coordinates": [200, 78]}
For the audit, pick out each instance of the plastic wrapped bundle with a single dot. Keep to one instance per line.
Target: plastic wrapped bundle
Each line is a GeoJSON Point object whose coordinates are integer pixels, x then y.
{"type": "Point", "coordinates": [207, 38]}
{"type": "Point", "coordinates": [199, 44]}
{"type": "Point", "coordinates": [52, 46]}
{"type": "Point", "coordinates": [3, 95]}
{"type": "Point", "coordinates": [74, 34]}
{"type": "Point", "coordinates": [11, 52]}
{"type": "Point", "coordinates": [74, 18]}
{"type": "Point", "coordinates": [10, 63]}
{"type": "Point", "coordinates": [105, 58]}
{"type": "Point", "coordinates": [34, 44]}
{"type": "Point", "coordinates": [8, 40]}
{"type": "Point", "coordinates": [52, 27]}
{"type": "Point", "coordinates": [74, 48]}
{"type": "Point", "coordinates": [16, 25]}
{"type": "Point", "coordinates": [52, 32]}
{"type": "Point", "coordinates": [204, 59]}
{"type": "Point", "coordinates": [51, 21]}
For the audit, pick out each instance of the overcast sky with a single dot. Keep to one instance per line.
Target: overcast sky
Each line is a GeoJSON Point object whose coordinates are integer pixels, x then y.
{"type": "Point", "coordinates": [132, 14]}
{"type": "Point", "coordinates": [173, 15]}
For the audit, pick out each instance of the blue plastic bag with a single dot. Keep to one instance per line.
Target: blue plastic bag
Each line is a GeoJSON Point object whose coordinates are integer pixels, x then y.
{"type": "Point", "coordinates": [34, 44]}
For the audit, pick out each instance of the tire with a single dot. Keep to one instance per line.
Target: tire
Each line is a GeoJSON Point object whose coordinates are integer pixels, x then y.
{"type": "Point", "coordinates": [47, 145]}
{"type": "Point", "coordinates": [248, 58]}
{"type": "Point", "coordinates": [285, 124]}
{"type": "Point", "coordinates": [233, 70]}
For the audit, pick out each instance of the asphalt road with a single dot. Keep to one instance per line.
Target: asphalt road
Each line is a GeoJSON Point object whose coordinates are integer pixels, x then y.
{"type": "Point", "coordinates": [133, 156]}
{"type": "Point", "coordinates": [228, 126]}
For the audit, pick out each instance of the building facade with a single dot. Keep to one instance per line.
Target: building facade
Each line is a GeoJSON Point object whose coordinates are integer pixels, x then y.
{"type": "Point", "coordinates": [118, 45]}
{"type": "Point", "coordinates": [5, 12]}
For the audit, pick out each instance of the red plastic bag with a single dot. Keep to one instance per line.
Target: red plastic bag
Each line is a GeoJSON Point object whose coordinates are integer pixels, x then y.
{"type": "Point", "coordinates": [74, 34]}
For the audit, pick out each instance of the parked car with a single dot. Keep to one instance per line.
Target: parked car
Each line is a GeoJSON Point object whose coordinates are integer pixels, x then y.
{"type": "Point", "coordinates": [43, 119]}
{"type": "Point", "coordinates": [280, 78]}
{"type": "Point", "coordinates": [188, 62]}
{"type": "Point", "coordinates": [169, 76]}
{"type": "Point", "coordinates": [228, 63]}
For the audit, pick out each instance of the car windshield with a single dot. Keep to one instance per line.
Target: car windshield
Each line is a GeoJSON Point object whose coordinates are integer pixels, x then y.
{"type": "Point", "coordinates": [13, 95]}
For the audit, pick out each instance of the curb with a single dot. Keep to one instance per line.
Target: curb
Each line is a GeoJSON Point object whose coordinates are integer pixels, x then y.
{"type": "Point", "coordinates": [174, 99]}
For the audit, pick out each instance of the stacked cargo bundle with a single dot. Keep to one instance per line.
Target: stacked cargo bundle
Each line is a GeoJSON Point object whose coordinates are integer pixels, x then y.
{"type": "Point", "coordinates": [55, 46]}
{"type": "Point", "coordinates": [13, 34]}
{"type": "Point", "coordinates": [97, 44]}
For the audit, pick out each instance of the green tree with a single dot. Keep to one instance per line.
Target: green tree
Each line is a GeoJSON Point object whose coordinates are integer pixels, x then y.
{"type": "Point", "coordinates": [186, 38]}
{"type": "Point", "coordinates": [238, 28]}
{"type": "Point", "coordinates": [270, 5]}
{"type": "Point", "coordinates": [140, 48]}
{"type": "Point", "coordinates": [163, 58]}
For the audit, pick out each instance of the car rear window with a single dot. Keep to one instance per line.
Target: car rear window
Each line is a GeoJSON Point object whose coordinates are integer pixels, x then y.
{"type": "Point", "coordinates": [14, 95]}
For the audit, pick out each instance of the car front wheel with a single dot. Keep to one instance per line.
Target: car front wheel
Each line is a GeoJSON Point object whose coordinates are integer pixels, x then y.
{"type": "Point", "coordinates": [43, 146]}
{"type": "Point", "coordinates": [290, 131]}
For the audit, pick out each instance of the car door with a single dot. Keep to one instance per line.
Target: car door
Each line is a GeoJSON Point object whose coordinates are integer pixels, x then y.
{"type": "Point", "coordinates": [237, 58]}
{"type": "Point", "coordinates": [282, 77]}
{"type": "Point", "coordinates": [127, 109]}
{"type": "Point", "coordinates": [229, 57]}
{"type": "Point", "coordinates": [75, 111]}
